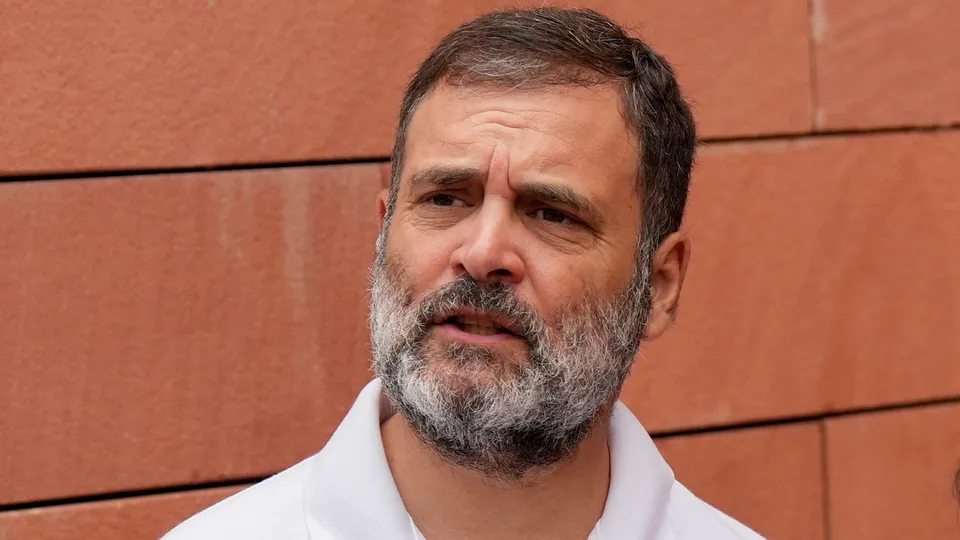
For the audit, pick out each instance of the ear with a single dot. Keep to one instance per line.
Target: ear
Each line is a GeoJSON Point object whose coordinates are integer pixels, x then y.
{"type": "Point", "coordinates": [381, 208]}
{"type": "Point", "coordinates": [668, 272]}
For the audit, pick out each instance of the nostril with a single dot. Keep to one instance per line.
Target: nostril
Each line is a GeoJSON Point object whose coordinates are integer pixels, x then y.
{"type": "Point", "coordinates": [501, 272]}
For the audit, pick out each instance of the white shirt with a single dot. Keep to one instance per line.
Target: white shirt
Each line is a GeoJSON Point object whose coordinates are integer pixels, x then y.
{"type": "Point", "coordinates": [346, 492]}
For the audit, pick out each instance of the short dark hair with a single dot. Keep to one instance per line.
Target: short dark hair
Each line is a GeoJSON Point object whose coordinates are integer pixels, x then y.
{"type": "Point", "coordinates": [556, 46]}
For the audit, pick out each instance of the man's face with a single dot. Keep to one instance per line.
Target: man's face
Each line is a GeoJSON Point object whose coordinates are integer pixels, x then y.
{"type": "Point", "coordinates": [509, 296]}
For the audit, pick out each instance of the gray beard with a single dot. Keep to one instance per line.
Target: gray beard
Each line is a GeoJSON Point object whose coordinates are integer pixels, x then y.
{"type": "Point", "coordinates": [530, 414]}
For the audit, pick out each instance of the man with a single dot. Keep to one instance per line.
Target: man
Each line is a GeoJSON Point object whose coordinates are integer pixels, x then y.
{"type": "Point", "coordinates": [529, 241]}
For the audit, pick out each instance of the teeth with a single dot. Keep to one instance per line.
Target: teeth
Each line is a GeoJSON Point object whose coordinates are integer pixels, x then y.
{"type": "Point", "coordinates": [476, 325]}
{"type": "Point", "coordinates": [481, 329]}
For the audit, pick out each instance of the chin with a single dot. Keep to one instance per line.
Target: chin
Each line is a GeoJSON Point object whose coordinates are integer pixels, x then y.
{"type": "Point", "coordinates": [462, 368]}
{"type": "Point", "coordinates": [464, 380]}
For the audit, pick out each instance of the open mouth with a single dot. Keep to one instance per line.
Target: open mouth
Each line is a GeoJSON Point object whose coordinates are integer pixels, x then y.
{"type": "Point", "coordinates": [479, 325]}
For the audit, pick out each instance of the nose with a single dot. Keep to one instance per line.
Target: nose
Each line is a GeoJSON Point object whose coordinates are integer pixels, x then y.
{"type": "Point", "coordinates": [489, 252]}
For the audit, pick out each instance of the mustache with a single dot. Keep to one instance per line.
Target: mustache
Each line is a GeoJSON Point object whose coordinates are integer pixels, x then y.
{"type": "Point", "coordinates": [494, 298]}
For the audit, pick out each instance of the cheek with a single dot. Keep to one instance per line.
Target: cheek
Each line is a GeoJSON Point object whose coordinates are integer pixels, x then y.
{"type": "Point", "coordinates": [558, 281]}
{"type": "Point", "coordinates": [425, 258]}
{"type": "Point", "coordinates": [555, 281]}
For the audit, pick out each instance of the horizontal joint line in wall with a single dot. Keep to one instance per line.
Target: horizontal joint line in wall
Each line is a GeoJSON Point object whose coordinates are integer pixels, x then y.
{"type": "Point", "coordinates": [7, 176]}
{"type": "Point", "coordinates": [805, 418]}
{"type": "Point", "coordinates": [832, 133]}
{"type": "Point", "coordinates": [116, 495]}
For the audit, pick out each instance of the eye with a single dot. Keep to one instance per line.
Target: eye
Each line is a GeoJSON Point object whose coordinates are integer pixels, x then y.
{"type": "Point", "coordinates": [553, 215]}
{"type": "Point", "coordinates": [443, 199]}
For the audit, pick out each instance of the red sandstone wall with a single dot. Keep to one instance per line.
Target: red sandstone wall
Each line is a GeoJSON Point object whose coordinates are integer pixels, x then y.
{"type": "Point", "coordinates": [183, 253]}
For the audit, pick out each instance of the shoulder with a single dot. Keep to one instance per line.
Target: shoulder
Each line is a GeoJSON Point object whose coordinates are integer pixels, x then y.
{"type": "Point", "coordinates": [272, 509]}
{"type": "Point", "coordinates": [691, 518]}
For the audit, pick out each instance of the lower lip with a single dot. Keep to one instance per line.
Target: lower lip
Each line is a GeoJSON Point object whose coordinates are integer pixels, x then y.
{"type": "Point", "coordinates": [452, 331]}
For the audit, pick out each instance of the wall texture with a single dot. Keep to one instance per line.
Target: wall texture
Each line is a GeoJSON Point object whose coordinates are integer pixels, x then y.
{"type": "Point", "coordinates": [187, 216]}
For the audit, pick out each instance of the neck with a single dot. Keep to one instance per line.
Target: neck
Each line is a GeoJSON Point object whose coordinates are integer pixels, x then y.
{"type": "Point", "coordinates": [446, 501]}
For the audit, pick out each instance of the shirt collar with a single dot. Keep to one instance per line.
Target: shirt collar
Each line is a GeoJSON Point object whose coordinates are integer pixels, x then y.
{"type": "Point", "coordinates": [350, 492]}
{"type": "Point", "coordinates": [640, 482]}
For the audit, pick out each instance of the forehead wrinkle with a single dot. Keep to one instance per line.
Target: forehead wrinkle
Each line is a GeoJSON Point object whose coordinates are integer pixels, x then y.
{"type": "Point", "coordinates": [487, 115]}
{"type": "Point", "coordinates": [499, 162]}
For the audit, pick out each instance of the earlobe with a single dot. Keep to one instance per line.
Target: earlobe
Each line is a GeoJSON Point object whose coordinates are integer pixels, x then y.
{"type": "Point", "coordinates": [669, 270]}
{"type": "Point", "coordinates": [381, 208]}
{"type": "Point", "coordinates": [657, 324]}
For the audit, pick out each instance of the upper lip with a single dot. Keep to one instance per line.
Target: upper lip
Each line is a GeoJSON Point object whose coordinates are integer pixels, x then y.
{"type": "Point", "coordinates": [504, 322]}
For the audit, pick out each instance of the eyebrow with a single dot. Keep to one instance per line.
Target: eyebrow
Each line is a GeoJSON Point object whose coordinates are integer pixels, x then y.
{"type": "Point", "coordinates": [564, 196]}
{"type": "Point", "coordinates": [549, 193]}
{"type": "Point", "coordinates": [443, 177]}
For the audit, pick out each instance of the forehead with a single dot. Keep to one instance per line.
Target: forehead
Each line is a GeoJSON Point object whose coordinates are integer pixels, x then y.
{"type": "Point", "coordinates": [573, 132]}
